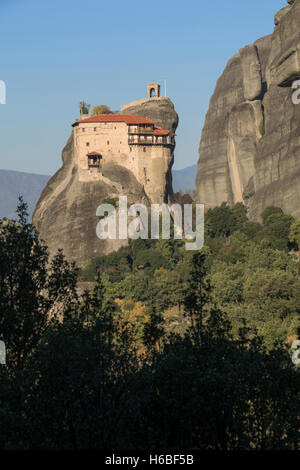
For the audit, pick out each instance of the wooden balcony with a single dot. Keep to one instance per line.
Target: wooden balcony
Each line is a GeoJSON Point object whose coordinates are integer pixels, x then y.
{"type": "Point", "coordinates": [142, 141]}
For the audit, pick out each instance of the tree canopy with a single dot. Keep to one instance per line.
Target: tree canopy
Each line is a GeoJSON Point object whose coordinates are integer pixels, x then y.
{"type": "Point", "coordinates": [101, 109]}
{"type": "Point", "coordinates": [100, 370]}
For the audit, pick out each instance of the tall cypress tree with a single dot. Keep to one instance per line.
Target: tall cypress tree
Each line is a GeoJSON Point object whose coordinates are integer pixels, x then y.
{"type": "Point", "coordinates": [197, 295]}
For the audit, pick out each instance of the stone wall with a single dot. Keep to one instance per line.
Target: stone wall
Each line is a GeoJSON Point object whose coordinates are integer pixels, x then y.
{"type": "Point", "coordinates": [148, 163]}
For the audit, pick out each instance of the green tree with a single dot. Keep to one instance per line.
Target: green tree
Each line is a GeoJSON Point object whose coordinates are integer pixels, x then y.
{"type": "Point", "coordinates": [224, 220]}
{"type": "Point", "coordinates": [29, 293]}
{"type": "Point", "coordinates": [84, 107]}
{"type": "Point", "coordinates": [294, 235]}
{"type": "Point", "coordinates": [277, 228]}
{"type": "Point", "coordinates": [271, 210]}
{"type": "Point", "coordinates": [81, 372]}
{"type": "Point", "coordinates": [197, 295]}
{"type": "Point", "coordinates": [101, 109]}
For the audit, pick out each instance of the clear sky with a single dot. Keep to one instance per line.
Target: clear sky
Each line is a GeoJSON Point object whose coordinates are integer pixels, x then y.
{"type": "Point", "coordinates": [56, 53]}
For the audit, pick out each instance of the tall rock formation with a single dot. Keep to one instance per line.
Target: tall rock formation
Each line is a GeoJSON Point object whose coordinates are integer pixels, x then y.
{"type": "Point", "coordinates": [250, 144]}
{"type": "Point", "coordinates": [65, 215]}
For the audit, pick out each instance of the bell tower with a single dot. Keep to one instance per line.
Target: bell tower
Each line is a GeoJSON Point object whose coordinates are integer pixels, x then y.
{"type": "Point", "coordinates": [153, 90]}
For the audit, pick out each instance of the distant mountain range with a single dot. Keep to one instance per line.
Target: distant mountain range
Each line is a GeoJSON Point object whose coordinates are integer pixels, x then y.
{"type": "Point", "coordinates": [15, 183]}
{"type": "Point", "coordinates": [184, 179]}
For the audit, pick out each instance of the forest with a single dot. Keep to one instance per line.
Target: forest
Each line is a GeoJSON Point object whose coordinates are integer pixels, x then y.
{"type": "Point", "coordinates": [153, 346]}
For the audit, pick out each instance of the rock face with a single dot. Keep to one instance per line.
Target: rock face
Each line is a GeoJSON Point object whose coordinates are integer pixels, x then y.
{"type": "Point", "coordinates": [161, 110]}
{"type": "Point", "coordinates": [250, 144]}
{"type": "Point", "coordinates": [65, 215]}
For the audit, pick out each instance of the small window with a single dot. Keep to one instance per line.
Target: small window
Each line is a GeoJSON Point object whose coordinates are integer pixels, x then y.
{"type": "Point", "coordinates": [95, 128]}
{"type": "Point", "coordinates": [144, 149]}
{"type": "Point", "coordinates": [83, 129]}
{"type": "Point", "coordinates": [87, 144]}
{"type": "Point", "coordinates": [108, 142]}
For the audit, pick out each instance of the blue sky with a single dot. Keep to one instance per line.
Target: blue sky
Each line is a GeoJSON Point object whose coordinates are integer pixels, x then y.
{"type": "Point", "coordinates": [56, 53]}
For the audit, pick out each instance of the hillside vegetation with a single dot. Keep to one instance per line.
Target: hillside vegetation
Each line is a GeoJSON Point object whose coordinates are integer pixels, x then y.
{"type": "Point", "coordinates": [253, 271]}
{"type": "Point", "coordinates": [100, 370]}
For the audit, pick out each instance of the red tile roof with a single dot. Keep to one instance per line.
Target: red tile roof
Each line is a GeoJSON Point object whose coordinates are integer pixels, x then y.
{"type": "Point", "coordinates": [127, 118]}
{"type": "Point", "coordinates": [93, 154]}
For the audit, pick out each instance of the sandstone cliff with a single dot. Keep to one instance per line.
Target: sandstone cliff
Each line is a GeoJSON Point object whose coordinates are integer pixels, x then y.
{"type": "Point", "coordinates": [65, 215]}
{"type": "Point", "coordinates": [250, 145]}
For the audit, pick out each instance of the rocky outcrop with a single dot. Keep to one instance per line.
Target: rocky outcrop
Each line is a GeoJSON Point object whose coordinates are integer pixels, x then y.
{"type": "Point", "coordinates": [161, 110]}
{"type": "Point", "coordinates": [65, 215]}
{"type": "Point", "coordinates": [250, 145]}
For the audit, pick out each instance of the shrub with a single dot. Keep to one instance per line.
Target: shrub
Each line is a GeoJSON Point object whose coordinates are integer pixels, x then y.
{"type": "Point", "coordinates": [262, 128]}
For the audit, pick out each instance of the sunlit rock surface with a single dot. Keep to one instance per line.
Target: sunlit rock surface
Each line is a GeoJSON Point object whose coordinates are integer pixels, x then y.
{"type": "Point", "coordinates": [250, 144]}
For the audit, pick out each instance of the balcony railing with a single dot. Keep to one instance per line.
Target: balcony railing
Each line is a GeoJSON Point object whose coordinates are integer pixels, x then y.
{"type": "Point", "coordinates": [142, 141]}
